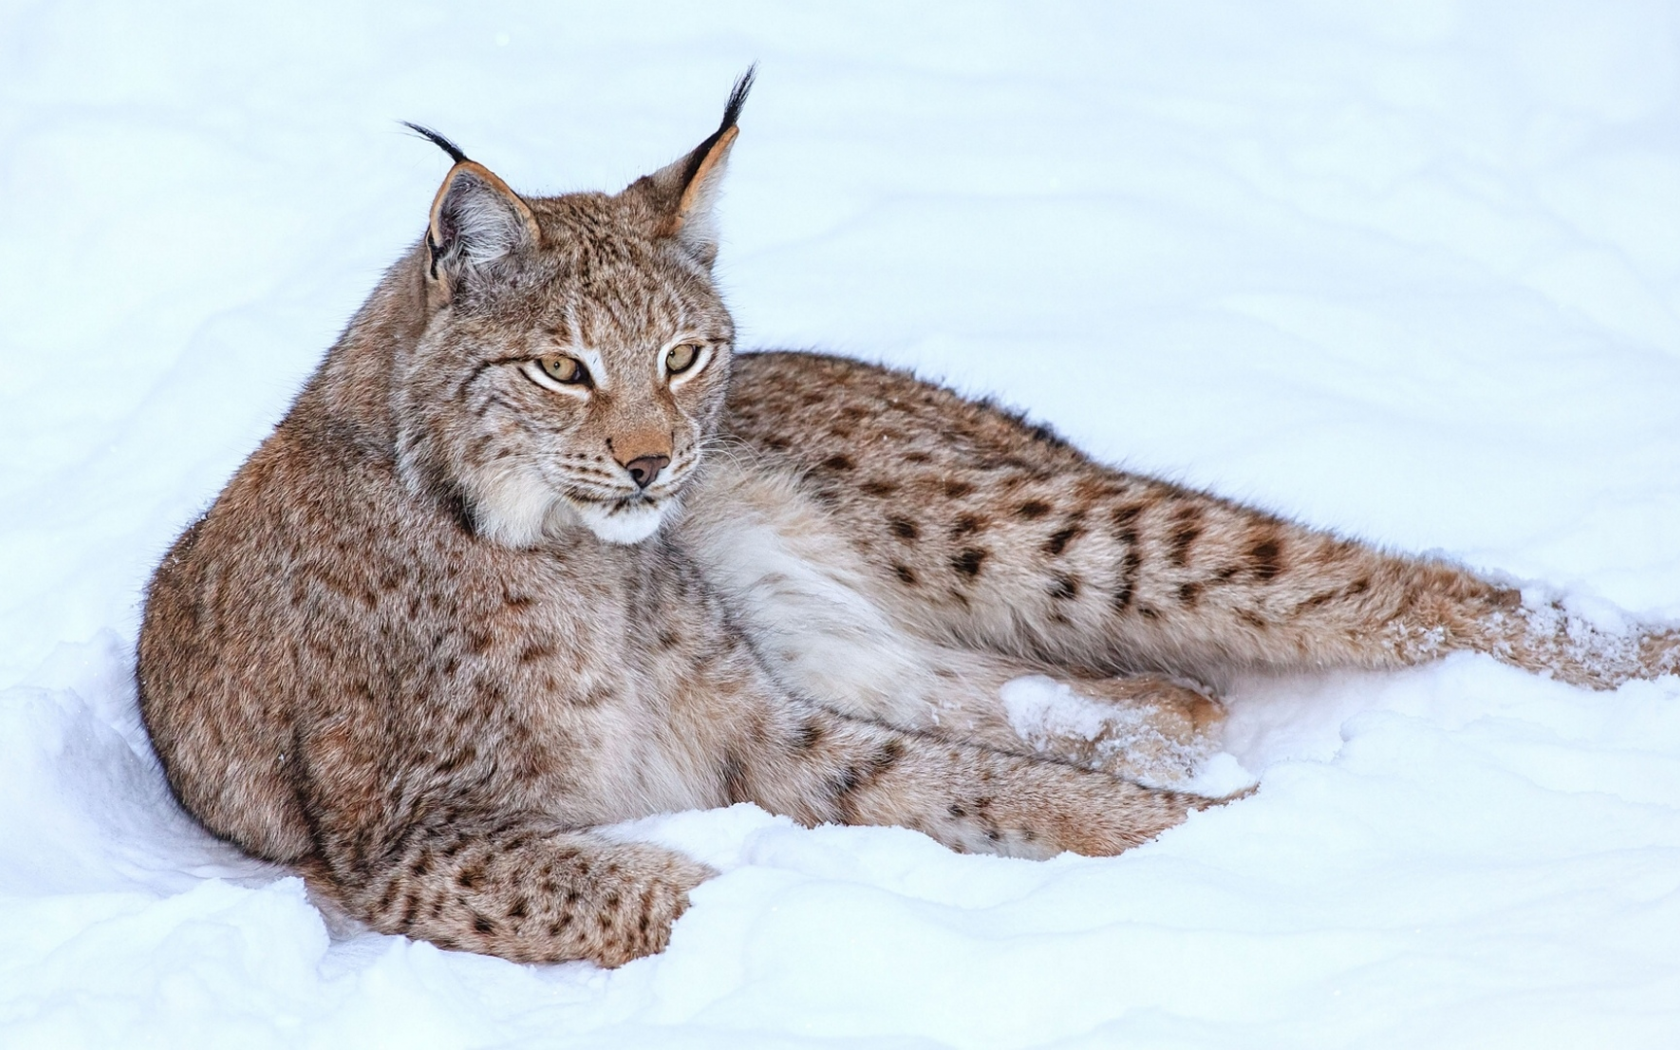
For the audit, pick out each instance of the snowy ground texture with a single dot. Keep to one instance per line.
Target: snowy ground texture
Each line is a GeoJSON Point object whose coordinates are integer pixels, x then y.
{"type": "Point", "coordinates": [1407, 270]}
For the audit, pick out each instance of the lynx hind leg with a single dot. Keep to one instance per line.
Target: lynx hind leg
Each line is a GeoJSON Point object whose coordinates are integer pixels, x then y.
{"type": "Point", "coordinates": [1546, 638]}
{"type": "Point", "coordinates": [1146, 727]}
{"type": "Point", "coordinates": [1659, 653]}
{"type": "Point", "coordinates": [519, 889]}
{"type": "Point", "coordinates": [969, 798]}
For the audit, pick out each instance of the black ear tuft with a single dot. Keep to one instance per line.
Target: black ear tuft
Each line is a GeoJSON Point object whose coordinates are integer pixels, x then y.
{"type": "Point", "coordinates": [731, 116]}
{"type": "Point", "coordinates": [454, 151]}
{"type": "Point", "coordinates": [738, 98]}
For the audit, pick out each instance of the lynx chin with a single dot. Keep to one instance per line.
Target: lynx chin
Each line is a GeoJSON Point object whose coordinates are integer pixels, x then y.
{"type": "Point", "coordinates": [536, 551]}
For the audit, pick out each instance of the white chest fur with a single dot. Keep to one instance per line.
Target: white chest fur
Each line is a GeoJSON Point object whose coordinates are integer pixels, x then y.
{"type": "Point", "coordinates": [799, 593]}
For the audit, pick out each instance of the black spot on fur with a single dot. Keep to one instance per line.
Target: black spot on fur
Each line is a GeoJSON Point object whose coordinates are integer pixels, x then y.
{"type": "Point", "coordinates": [1038, 431]}
{"type": "Point", "coordinates": [453, 499]}
{"type": "Point", "coordinates": [387, 898]}
{"type": "Point", "coordinates": [860, 775]}
{"type": "Point", "coordinates": [457, 759]}
{"type": "Point", "coordinates": [1186, 531]}
{"type": "Point", "coordinates": [1064, 587]}
{"type": "Point", "coordinates": [1033, 509]}
{"type": "Point", "coordinates": [878, 488]}
{"type": "Point", "coordinates": [1267, 558]}
{"type": "Point", "coordinates": [734, 779]}
{"type": "Point", "coordinates": [969, 561]}
{"type": "Point", "coordinates": [906, 575]}
{"type": "Point", "coordinates": [957, 489]}
{"type": "Point", "coordinates": [965, 525]}
{"type": "Point", "coordinates": [1131, 563]}
{"type": "Point", "coordinates": [1059, 540]}
{"type": "Point", "coordinates": [809, 735]}
{"type": "Point", "coordinates": [1319, 600]}
{"type": "Point", "coordinates": [1189, 593]}
{"type": "Point", "coordinates": [838, 462]}
{"type": "Point", "coordinates": [1045, 433]}
{"type": "Point", "coordinates": [903, 528]}
{"type": "Point", "coordinates": [535, 651]}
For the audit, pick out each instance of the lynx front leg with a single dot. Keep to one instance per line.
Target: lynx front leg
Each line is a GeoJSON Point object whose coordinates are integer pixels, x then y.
{"type": "Point", "coordinates": [829, 769]}
{"type": "Point", "coordinates": [515, 887]}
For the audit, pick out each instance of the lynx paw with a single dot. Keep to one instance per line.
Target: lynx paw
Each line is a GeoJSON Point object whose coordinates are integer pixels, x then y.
{"type": "Point", "coordinates": [1147, 728]}
{"type": "Point", "coordinates": [638, 912]}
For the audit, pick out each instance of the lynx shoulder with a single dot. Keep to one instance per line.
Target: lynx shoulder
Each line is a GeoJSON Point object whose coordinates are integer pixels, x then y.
{"type": "Point", "coordinates": [534, 552]}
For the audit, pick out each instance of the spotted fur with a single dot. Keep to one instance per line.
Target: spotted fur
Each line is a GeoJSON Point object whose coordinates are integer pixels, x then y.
{"type": "Point", "coordinates": [1000, 537]}
{"type": "Point", "coordinates": [534, 552]}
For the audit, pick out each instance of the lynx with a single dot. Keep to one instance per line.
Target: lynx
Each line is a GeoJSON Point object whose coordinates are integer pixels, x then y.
{"type": "Point", "coordinates": [535, 552]}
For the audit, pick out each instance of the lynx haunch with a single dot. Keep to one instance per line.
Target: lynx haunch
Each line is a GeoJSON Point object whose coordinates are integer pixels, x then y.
{"type": "Point", "coordinates": [535, 551]}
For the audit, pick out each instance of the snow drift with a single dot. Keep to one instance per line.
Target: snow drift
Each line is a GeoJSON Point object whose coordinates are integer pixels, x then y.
{"type": "Point", "coordinates": [1410, 271]}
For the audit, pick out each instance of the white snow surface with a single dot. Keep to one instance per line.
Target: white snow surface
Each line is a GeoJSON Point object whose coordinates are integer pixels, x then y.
{"type": "Point", "coordinates": [1406, 270]}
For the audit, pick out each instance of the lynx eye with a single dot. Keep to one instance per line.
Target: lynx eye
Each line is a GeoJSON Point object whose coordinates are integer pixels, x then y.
{"type": "Point", "coordinates": [563, 369]}
{"type": "Point", "coordinates": [681, 358]}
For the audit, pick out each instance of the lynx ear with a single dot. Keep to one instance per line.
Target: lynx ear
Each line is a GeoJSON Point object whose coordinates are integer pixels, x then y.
{"type": "Point", "coordinates": [476, 219]}
{"type": "Point", "coordinates": [684, 193]}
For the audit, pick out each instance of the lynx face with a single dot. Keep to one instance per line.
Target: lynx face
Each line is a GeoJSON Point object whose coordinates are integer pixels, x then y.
{"type": "Point", "coordinates": [575, 355]}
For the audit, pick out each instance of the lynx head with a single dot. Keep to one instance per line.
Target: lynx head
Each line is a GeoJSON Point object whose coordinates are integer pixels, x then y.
{"type": "Point", "coordinates": [574, 355]}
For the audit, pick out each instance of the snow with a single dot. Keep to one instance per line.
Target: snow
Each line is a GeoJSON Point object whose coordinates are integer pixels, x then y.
{"type": "Point", "coordinates": [1408, 271]}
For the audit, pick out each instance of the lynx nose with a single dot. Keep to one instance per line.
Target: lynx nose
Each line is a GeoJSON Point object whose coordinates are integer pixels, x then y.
{"type": "Point", "coordinates": [643, 469]}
